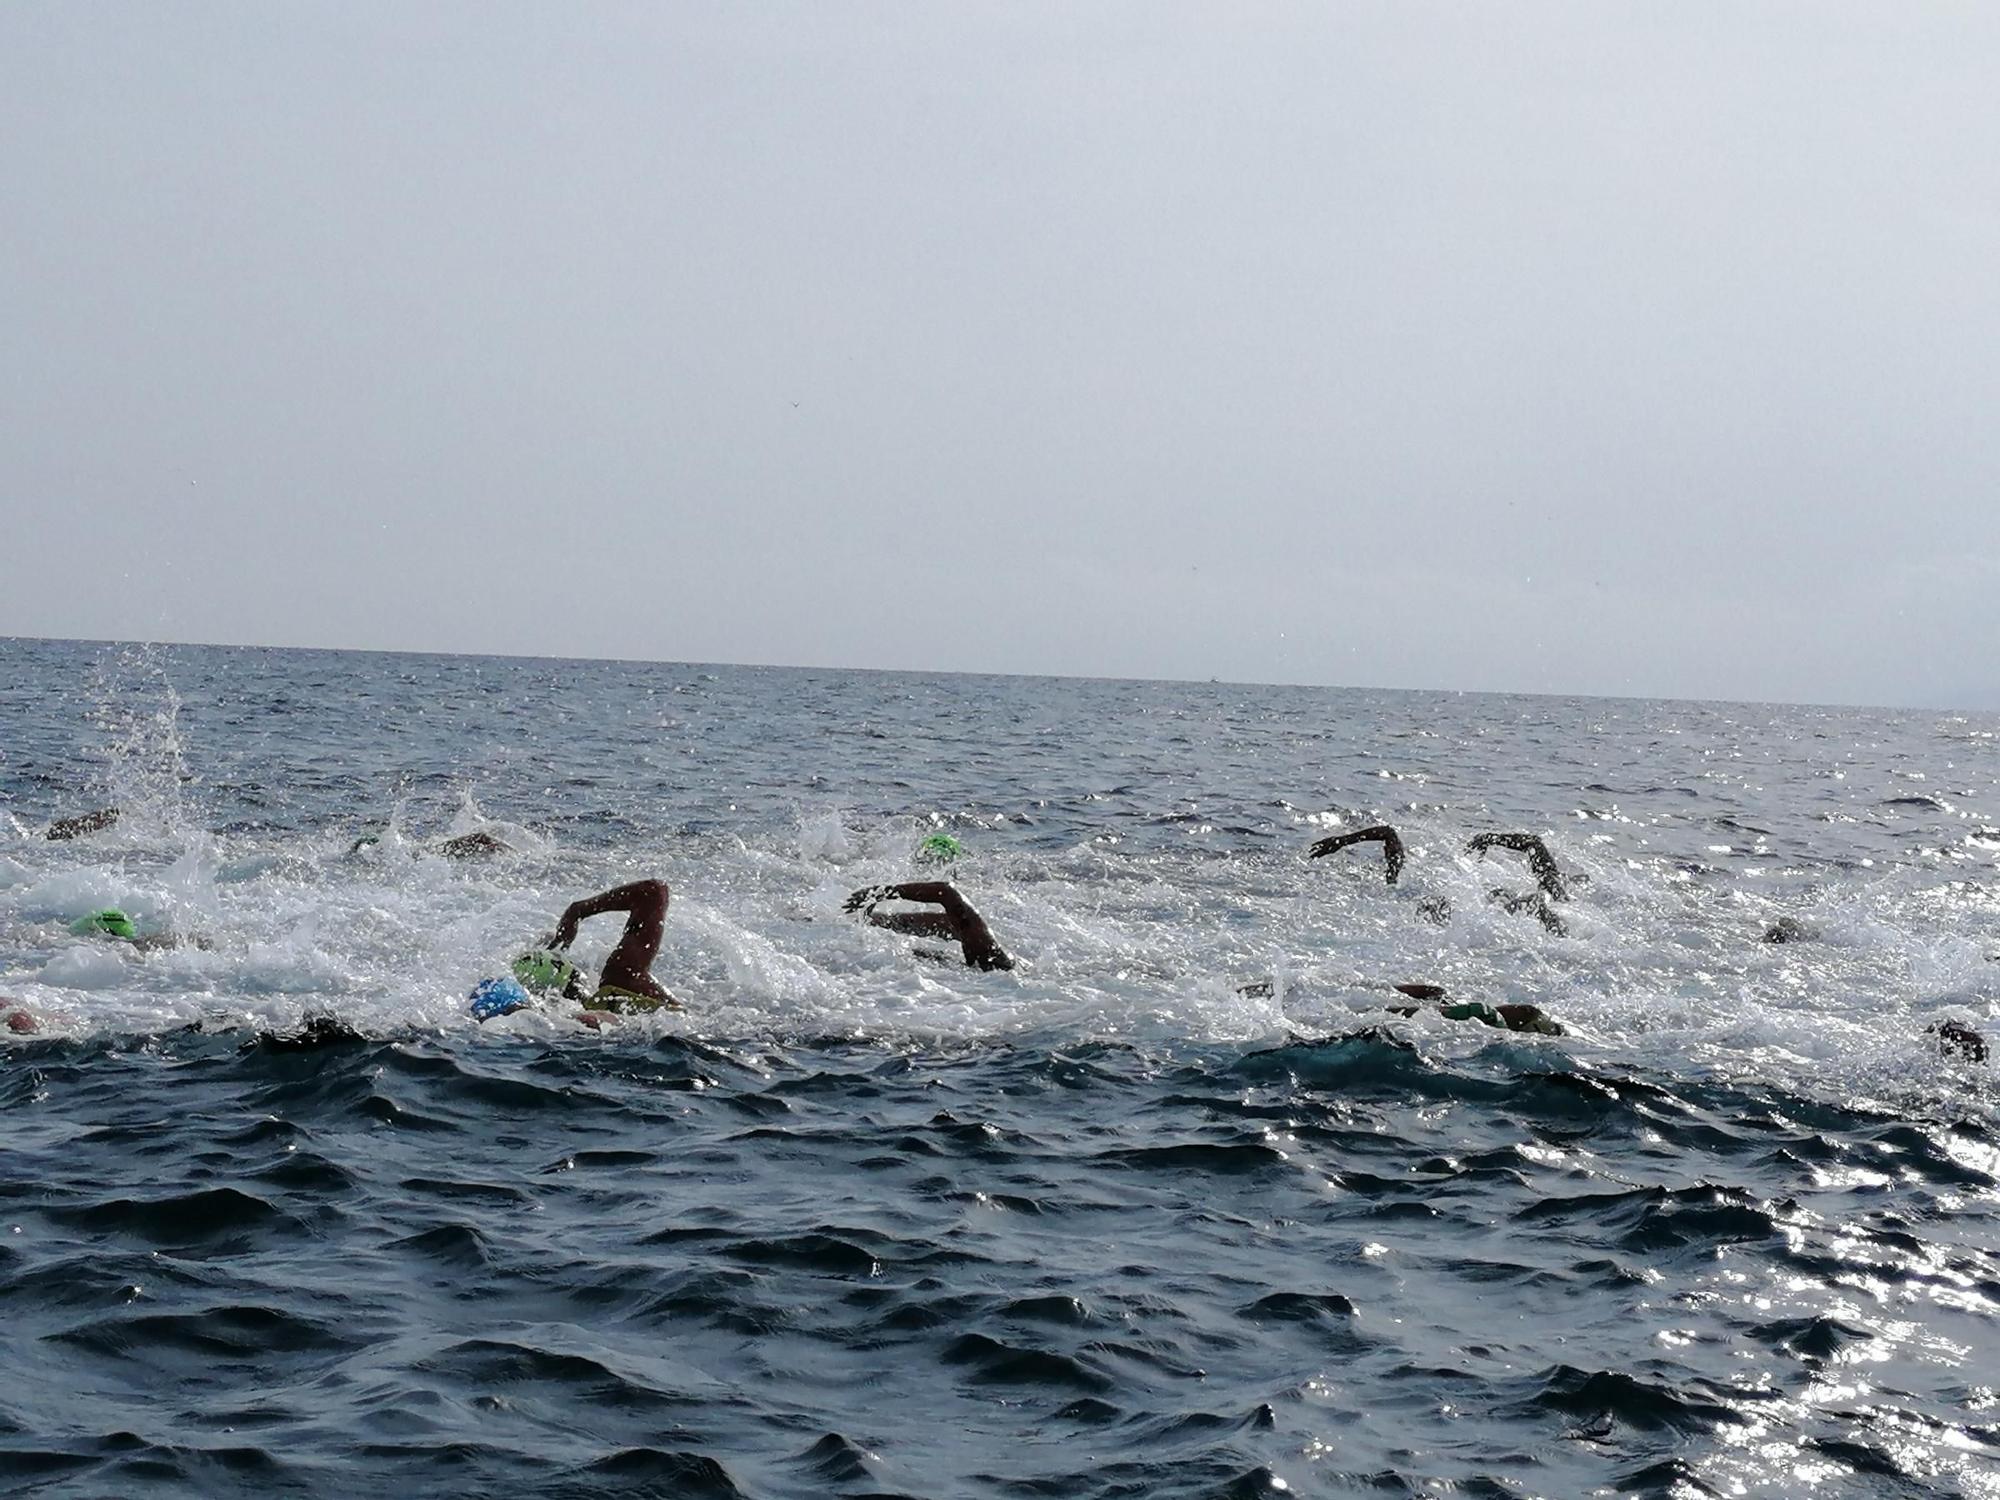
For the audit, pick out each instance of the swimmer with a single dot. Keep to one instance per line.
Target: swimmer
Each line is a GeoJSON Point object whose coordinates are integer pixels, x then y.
{"type": "Point", "coordinates": [106, 921]}
{"type": "Point", "coordinates": [956, 920]}
{"type": "Point", "coordinates": [478, 845]}
{"type": "Point", "coordinates": [1506, 1017]}
{"type": "Point", "coordinates": [1954, 1039]}
{"type": "Point", "coordinates": [16, 1017]}
{"type": "Point", "coordinates": [82, 823]}
{"type": "Point", "coordinates": [110, 922]}
{"type": "Point", "coordinates": [1434, 909]}
{"type": "Point", "coordinates": [626, 985]}
{"type": "Point", "coordinates": [1541, 864]}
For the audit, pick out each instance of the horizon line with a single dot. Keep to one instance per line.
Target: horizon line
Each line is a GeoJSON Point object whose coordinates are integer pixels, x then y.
{"type": "Point", "coordinates": [961, 672]}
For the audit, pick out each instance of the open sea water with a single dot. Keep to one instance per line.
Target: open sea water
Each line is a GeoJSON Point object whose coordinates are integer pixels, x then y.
{"type": "Point", "coordinates": [855, 1223]}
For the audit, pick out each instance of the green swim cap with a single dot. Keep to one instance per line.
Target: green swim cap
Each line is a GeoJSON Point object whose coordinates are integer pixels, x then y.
{"type": "Point", "coordinates": [543, 970]}
{"type": "Point", "coordinates": [109, 920]}
{"type": "Point", "coordinates": [938, 849]}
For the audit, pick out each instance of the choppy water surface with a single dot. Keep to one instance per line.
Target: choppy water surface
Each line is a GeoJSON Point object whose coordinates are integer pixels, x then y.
{"type": "Point", "coordinates": [860, 1224]}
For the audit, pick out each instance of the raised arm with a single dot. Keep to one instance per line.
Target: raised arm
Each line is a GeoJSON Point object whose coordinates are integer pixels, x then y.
{"type": "Point", "coordinates": [936, 892]}
{"type": "Point", "coordinates": [1541, 864]}
{"type": "Point", "coordinates": [956, 920]}
{"type": "Point", "coordinates": [648, 896]}
{"type": "Point", "coordinates": [1381, 833]}
{"type": "Point", "coordinates": [933, 924]}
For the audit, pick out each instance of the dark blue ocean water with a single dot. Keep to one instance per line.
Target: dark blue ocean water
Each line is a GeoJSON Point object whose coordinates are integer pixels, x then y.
{"type": "Point", "coordinates": [855, 1223]}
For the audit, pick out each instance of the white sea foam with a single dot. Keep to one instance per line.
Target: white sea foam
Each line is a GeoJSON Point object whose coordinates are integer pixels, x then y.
{"type": "Point", "coordinates": [99, 969]}
{"type": "Point", "coordinates": [1662, 965]}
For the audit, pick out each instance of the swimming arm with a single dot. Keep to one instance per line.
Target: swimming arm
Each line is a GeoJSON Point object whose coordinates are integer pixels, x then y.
{"type": "Point", "coordinates": [628, 897]}
{"type": "Point", "coordinates": [957, 910]}
{"type": "Point", "coordinates": [1381, 833]}
{"type": "Point", "coordinates": [956, 920]}
{"type": "Point", "coordinates": [1542, 864]}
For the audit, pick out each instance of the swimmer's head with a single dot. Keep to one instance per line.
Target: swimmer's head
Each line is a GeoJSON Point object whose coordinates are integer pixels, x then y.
{"type": "Point", "coordinates": [545, 971]}
{"type": "Point", "coordinates": [497, 997]}
{"type": "Point", "coordinates": [108, 921]}
{"type": "Point", "coordinates": [938, 849]}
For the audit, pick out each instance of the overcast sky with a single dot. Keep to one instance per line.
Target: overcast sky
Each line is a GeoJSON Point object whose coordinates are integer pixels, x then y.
{"type": "Point", "coordinates": [1633, 349]}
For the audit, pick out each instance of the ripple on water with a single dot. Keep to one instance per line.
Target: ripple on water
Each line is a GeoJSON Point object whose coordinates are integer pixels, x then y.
{"type": "Point", "coordinates": [217, 1220]}
{"type": "Point", "coordinates": [657, 1471]}
{"type": "Point", "coordinates": [989, 1361]}
{"type": "Point", "coordinates": [227, 1334]}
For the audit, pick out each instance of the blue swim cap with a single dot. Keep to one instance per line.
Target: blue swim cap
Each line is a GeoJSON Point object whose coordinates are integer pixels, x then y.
{"type": "Point", "coordinates": [497, 997]}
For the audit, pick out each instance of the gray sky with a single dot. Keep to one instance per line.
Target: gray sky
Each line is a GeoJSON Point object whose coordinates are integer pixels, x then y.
{"type": "Point", "coordinates": [1599, 348]}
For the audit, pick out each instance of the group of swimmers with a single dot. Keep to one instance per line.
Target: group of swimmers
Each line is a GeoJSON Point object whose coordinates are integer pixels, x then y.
{"type": "Point", "coordinates": [626, 985]}
{"type": "Point", "coordinates": [1952, 1038]}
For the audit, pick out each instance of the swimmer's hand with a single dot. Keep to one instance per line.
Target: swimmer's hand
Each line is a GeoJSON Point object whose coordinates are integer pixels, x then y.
{"type": "Point", "coordinates": [566, 926]}
{"type": "Point", "coordinates": [867, 897]}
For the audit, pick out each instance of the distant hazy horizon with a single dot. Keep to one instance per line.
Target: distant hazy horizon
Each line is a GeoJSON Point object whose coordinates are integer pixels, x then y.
{"type": "Point", "coordinates": [928, 671]}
